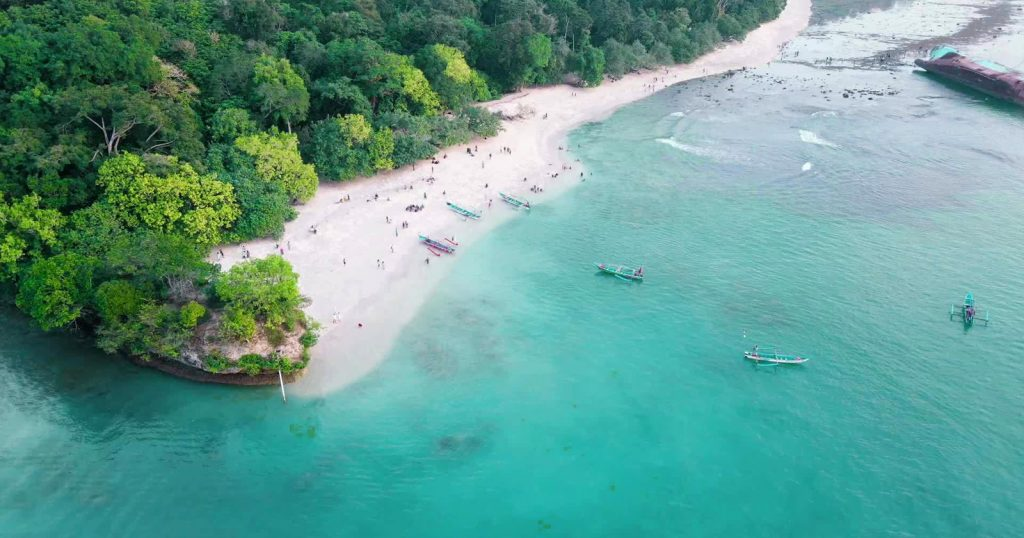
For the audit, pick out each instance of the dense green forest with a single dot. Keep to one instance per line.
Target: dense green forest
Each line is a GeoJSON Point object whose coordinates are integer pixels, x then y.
{"type": "Point", "coordinates": [135, 135]}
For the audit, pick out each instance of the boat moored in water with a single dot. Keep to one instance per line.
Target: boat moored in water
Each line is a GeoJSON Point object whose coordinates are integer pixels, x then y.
{"type": "Point", "coordinates": [985, 76]}
{"type": "Point", "coordinates": [621, 271]}
{"type": "Point", "coordinates": [772, 357]}
{"type": "Point", "coordinates": [968, 312]}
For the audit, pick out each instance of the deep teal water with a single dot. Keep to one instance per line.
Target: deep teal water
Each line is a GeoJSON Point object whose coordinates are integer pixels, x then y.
{"type": "Point", "coordinates": [534, 397]}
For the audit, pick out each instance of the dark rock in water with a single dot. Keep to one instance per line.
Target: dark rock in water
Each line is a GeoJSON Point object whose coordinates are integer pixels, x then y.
{"type": "Point", "coordinates": [459, 444]}
{"type": "Point", "coordinates": [448, 443]}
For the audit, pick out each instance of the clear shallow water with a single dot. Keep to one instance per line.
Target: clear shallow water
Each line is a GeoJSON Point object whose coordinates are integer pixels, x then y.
{"type": "Point", "coordinates": [532, 396]}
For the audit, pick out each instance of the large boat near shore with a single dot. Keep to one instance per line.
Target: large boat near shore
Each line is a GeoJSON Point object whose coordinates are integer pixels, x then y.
{"type": "Point", "coordinates": [983, 75]}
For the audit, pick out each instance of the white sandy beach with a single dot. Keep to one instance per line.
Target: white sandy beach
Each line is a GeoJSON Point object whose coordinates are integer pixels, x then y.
{"type": "Point", "coordinates": [338, 265]}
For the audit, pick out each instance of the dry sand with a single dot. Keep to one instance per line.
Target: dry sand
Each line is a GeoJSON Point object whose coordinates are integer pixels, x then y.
{"type": "Point", "coordinates": [338, 265]}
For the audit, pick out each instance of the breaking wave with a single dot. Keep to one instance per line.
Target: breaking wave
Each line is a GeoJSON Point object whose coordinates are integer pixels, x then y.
{"type": "Point", "coordinates": [695, 150]}
{"type": "Point", "coordinates": [812, 138]}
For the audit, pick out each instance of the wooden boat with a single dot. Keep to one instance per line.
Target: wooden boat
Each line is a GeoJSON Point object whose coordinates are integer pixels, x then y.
{"type": "Point", "coordinates": [773, 357]}
{"type": "Point", "coordinates": [621, 271]}
{"type": "Point", "coordinates": [513, 201]}
{"type": "Point", "coordinates": [432, 244]}
{"type": "Point", "coordinates": [967, 312]}
{"type": "Point", "coordinates": [463, 211]}
{"type": "Point", "coordinates": [983, 75]}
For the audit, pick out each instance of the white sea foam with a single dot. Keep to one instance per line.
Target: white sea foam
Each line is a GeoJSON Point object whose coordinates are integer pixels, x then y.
{"type": "Point", "coordinates": [677, 114]}
{"type": "Point", "coordinates": [824, 113]}
{"type": "Point", "coordinates": [812, 138]}
{"type": "Point", "coordinates": [807, 166]}
{"type": "Point", "coordinates": [695, 150]}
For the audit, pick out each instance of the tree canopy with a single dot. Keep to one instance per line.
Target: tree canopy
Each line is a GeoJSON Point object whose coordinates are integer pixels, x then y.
{"type": "Point", "coordinates": [265, 289]}
{"type": "Point", "coordinates": [137, 134]}
{"type": "Point", "coordinates": [197, 206]}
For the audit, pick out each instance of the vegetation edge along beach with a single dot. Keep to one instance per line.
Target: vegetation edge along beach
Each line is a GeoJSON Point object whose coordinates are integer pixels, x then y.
{"type": "Point", "coordinates": [139, 136]}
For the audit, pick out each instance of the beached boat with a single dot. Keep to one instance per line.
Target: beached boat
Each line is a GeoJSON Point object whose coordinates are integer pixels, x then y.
{"type": "Point", "coordinates": [968, 312]}
{"type": "Point", "coordinates": [983, 75]}
{"type": "Point", "coordinates": [463, 211]}
{"type": "Point", "coordinates": [773, 357]}
{"type": "Point", "coordinates": [622, 271]}
{"type": "Point", "coordinates": [514, 201]}
{"type": "Point", "coordinates": [433, 244]}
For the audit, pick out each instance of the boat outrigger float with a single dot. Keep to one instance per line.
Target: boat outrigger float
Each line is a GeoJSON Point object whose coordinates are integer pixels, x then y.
{"type": "Point", "coordinates": [622, 272]}
{"type": "Point", "coordinates": [463, 211]}
{"type": "Point", "coordinates": [513, 201]}
{"type": "Point", "coordinates": [968, 312]}
{"type": "Point", "coordinates": [437, 245]}
{"type": "Point", "coordinates": [772, 357]}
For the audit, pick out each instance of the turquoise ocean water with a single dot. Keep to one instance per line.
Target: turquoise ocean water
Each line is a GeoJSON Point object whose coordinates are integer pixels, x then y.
{"type": "Point", "coordinates": [534, 397]}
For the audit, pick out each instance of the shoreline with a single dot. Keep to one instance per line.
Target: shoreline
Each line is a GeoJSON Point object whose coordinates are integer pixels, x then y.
{"type": "Point", "coordinates": [338, 265]}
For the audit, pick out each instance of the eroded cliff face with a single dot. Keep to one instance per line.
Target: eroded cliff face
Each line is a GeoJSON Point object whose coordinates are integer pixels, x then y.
{"type": "Point", "coordinates": [214, 358]}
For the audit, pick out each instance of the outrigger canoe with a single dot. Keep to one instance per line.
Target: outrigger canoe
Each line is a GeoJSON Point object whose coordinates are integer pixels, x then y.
{"type": "Point", "coordinates": [773, 357]}
{"type": "Point", "coordinates": [432, 244]}
{"type": "Point", "coordinates": [968, 312]}
{"type": "Point", "coordinates": [621, 271]}
{"type": "Point", "coordinates": [513, 201]}
{"type": "Point", "coordinates": [463, 211]}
